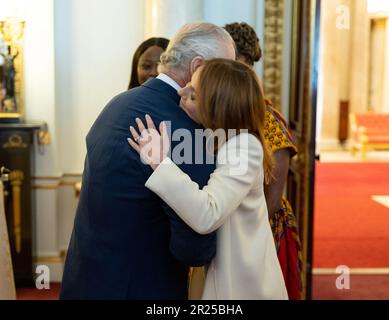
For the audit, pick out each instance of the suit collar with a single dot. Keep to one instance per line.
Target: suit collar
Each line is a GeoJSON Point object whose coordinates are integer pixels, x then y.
{"type": "Point", "coordinates": [163, 87]}
{"type": "Point", "coordinates": [165, 78]}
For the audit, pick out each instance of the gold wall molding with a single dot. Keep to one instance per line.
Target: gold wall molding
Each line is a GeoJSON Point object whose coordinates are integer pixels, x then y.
{"type": "Point", "coordinates": [273, 50]}
{"type": "Point", "coordinates": [47, 178]}
{"type": "Point", "coordinates": [45, 187]}
{"type": "Point", "coordinates": [61, 181]}
{"type": "Point", "coordinates": [72, 175]}
{"type": "Point", "coordinates": [48, 259]}
{"type": "Point", "coordinates": [51, 259]}
{"type": "Point", "coordinates": [64, 176]}
{"type": "Point", "coordinates": [55, 186]}
{"type": "Point", "coordinates": [68, 184]}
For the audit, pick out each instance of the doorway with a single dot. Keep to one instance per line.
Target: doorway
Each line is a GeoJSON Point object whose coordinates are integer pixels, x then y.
{"type": "Point", "coordinates": [350, 239]}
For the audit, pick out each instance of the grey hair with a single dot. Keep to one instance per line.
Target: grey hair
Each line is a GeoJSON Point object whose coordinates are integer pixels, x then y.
{"type": "Point", "coordinates": [194, 39]}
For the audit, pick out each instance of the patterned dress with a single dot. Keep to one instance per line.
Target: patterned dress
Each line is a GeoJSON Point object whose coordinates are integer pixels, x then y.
{"type": "Point", "coordinates": [283, 222]}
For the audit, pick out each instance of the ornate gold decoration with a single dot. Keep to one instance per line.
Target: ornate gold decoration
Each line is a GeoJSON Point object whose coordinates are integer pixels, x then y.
{"type": "Point", "coordinates": [273, 47]}
{"type": "Point", "coordinates": [12, 32]}
{"type": "Point", "coordinates": [16, 177]}
{"type": "Point", "coordinates": [48, 259]}
{"type": "Point", "coordinates": [44, 137]}
{"type": "Point", "coordinates": [15, 141]}
{"type": "Point", "coordinates": [45, 187]}
{"type": "Point", "coordinates": [53, 183]}
{"type": "Point", "coordinates": [9, 115]}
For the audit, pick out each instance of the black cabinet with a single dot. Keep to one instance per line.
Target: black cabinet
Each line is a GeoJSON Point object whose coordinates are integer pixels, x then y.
{"type": "Point", "coordinates": [17, 155]}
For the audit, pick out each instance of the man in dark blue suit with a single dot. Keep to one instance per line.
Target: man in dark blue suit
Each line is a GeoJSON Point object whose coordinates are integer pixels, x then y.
{"type": "Point", "coordinates": [126, 243]}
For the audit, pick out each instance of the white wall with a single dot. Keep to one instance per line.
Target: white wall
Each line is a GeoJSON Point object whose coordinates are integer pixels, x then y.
{"type": "Point", "coordinates": [344, 67]}
{"type": "Point", "coordinates": [164, 17]}
{"type": "Point", "coordinates": [40, 78]}
{"type": "Point", "coordinates": [91, 69]}
{"type": "Point", "coordinates": [95, 40]}
{"type": "Point", "coordinates": [377, 61]}
{"type": "Point", "coordinates": [12, 8]}
{"type": "Point", "coordinates": [222, 12]}
{"type": "Point", "coordinates": [38, 69]}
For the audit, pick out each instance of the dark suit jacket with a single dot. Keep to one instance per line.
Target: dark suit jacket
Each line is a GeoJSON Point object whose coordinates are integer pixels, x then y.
{"type": "Point", "coordinates": [126, 243]}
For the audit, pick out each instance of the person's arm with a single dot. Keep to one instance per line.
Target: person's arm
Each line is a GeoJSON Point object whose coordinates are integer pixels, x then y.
{"type": "Point", "coordinates": [275, 189]}
{"type": "Point", "coordinates": [186, 245]}
{"type": "Point", "coordinates": [239, 165]}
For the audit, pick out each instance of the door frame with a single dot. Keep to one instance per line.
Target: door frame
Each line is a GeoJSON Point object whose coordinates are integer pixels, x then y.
{"type": "Point", "coordinates": [312, 147]}
{"type": "Point", "coordinates": [302, 118]}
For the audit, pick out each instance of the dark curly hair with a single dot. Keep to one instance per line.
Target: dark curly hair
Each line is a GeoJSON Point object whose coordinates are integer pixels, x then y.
{"type": "Point", "coordinates": [246, 40]}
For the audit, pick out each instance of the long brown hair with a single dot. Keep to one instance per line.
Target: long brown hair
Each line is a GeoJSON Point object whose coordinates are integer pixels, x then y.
{"type": "Point", "coordinates": [160, 42]}
{"type": "Point", "coordinates": [229, 96]}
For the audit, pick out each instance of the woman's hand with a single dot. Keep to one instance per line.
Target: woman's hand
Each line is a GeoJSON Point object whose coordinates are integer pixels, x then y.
{"type": "Point", "coordinates": [151, 144]}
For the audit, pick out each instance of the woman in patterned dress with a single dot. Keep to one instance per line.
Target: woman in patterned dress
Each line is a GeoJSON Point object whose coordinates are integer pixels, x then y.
{"type": "Point", "coordinates": [279, 139]}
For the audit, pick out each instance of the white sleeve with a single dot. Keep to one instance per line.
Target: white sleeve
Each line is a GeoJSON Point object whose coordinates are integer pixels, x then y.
{"type": "Point", "coordinates": [239, 166]}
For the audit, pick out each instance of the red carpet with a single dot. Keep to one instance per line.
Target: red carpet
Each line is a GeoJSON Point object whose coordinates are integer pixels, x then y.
{"type": "Point", "coordinates": [350, 228]}
{"type": "Point", "coordinates": [35, 294]}
{"type": "Point", "coordinates": [362, 288]}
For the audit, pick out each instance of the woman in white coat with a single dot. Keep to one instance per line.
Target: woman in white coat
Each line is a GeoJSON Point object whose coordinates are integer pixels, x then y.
{"type": "Point", "coordinates": [227, 96]}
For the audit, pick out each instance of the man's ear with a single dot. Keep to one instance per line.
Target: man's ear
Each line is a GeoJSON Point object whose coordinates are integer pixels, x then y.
{"type": "Point", "coordinates": [196, 63]}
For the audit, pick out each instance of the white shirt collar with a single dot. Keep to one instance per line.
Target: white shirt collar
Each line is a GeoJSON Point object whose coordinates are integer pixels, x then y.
{"type": "Point", "coordinates": [165, 78]}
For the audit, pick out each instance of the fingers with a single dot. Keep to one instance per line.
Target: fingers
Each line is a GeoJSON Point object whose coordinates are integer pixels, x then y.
{"type": "Point", "coordinates": [141, 126]}
{"type": "Point", "coordinates": [134, 133]}
{"type": "Point", "coordinates": [134, 145]}
{"type": "Point", "coordinates": [163, 131]}
{"type": "Point", "coordinates": [165, 139]}
{"type": "Point", "coordinates": [145, 135]}
{"type": "Point", "coordinates": [150, 122]}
